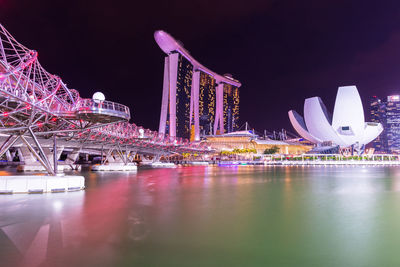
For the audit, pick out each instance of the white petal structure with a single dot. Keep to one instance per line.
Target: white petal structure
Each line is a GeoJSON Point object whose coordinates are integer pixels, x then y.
{"type": "Point", "coordinates": [318, 121]}
{"type": "Point", "coordinates": [372, 131]}
{"type": "Point", "coordinates": [347, 126]}
{"type": "Point", "coordinates": [348, 113]}
{"type": "Point", "coordinates": [300, 126]}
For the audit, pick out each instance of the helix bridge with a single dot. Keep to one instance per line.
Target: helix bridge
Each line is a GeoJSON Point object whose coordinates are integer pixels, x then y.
{"type": "Point", "coordinates": [37, 107]}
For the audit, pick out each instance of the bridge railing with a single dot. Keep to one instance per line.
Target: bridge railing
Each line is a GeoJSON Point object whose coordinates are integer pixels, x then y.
{"type": "Point", "coordinates": [88, 105]}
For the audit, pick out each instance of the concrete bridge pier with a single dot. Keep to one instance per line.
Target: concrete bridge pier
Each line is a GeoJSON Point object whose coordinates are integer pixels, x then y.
{"type": "Point", "coordinates": [36, 159]}
{"type": "Point", "coordinates": [155, 162]}
{"type": "Point", "coordinates": [13, 154]}
{"type": "Point", "coordinates": [30, 162]}
{"type": "Point", "coordinates": [61, 166]}
{"type": "Point", "coordinates": [20, 156]}
{"type": "Point", "coordinates": [157, 158]}
{"type": "Point", "coordinates": [26, 156]}
{"type": "Point", "coordinates": [132, 156]}
{"type": "Point", "coordinates": [9, 156]}
{"type": "Point", "coordinates": [116, 160]}
{"type": "Point", "coordinates": [52, 182]}
{"type": "Point", "coordinates": [71, 159]}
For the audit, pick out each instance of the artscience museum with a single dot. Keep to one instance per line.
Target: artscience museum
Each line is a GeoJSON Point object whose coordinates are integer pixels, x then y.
{"type": "Point", "coordinates": [345, 128]}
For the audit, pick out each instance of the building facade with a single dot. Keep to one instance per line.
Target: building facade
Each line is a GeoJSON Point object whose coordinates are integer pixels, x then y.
{"type": "Point", "coordinates": [207, 103]}
{"type": "Point", "coordinates": [248, 140]}
{"type": "Point", "coordinates": [231, 108]}
{"type": "Point", "coordinates": [387, 112]}
{"type": "Point", "coordinates": [195, 100]}
{"type": "Point", "coordinates": [183, 91]}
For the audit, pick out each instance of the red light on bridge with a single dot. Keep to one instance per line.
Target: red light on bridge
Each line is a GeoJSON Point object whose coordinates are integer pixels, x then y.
{"type": "Point", "coordinates": [5, 114]}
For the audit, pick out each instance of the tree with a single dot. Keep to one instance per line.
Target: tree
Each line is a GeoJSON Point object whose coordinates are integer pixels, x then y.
{"type": "Point", "coordinates": [271, 150]}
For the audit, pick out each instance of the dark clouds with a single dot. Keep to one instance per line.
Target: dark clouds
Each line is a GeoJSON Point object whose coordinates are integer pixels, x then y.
{"type": "Point", "coordinates": [282, 51]}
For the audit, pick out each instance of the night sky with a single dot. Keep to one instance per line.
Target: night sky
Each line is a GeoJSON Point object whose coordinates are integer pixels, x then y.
{"type": "Point", "coordinates": [281, 51]}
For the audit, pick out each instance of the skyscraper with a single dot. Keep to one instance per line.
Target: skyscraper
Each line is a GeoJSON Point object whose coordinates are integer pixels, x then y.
{"type": "Point", "coordinates": [207, 103]}
{"type": "Point", "coordinates": [183, 91]}
{"type": "Point", "coordinates": [378, 114]}
{"type": "Point", "coordinates": [231, 108]}
{"type": "Point", "coordinates": [195, 100]}
{"type": "Point", "coordinates": [388, 114]}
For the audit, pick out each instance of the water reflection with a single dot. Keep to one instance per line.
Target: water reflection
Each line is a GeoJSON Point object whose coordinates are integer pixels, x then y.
{"type": "Point", "coordinates": [209, 216]}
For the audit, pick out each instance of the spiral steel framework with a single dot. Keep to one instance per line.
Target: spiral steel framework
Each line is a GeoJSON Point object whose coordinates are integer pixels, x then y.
{"type": "Point", "coordinates": [38, 104]}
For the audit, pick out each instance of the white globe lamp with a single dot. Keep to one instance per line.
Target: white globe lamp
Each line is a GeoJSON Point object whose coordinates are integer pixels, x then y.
{"type": "Point", "coordinates": [98, 97]}
{"type": "Point", "coordinates": [141, 133]}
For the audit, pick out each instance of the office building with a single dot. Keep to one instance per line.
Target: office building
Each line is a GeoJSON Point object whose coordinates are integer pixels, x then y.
{"type": "Point", "coordinates": [387, 112]}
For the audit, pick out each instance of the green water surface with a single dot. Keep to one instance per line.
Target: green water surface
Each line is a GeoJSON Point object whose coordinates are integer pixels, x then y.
{"type": "Point", "coordinates": [211, 216]}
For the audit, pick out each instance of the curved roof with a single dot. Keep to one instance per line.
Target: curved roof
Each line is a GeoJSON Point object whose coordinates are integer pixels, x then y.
{"type": "Point", "coordinates": [300, 126]}
{"type": "Point", "coordinates": [348, 111]}
{"type": "Point", "coordinates": [318, 122]}
{"type": "Point", "coordinates": [372, 130]}
{"type": "Point", "coordinates": [168, 44]}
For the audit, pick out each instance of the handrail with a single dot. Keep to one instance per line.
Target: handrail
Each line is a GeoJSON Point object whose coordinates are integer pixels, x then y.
{"type": "Point", "coordinates": [87, 103]}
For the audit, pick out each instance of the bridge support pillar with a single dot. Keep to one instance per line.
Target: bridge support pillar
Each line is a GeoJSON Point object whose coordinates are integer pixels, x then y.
{"type": "Point", "coordinates": [26, 156]}
{"type": "Point", "coordinates": [20, 156]}
{"type": "Point", "coordinates": [157, 158]}
{"type": "Point", "coordinates": [13, 154]}
{"type": "Point", "coordinates": [116, 160]}
{"type": "Point", "coordinates": [10, 141]}
{"type": "Point", "coordinates": [30, 163]}
{"type": "Point", "coordinates": [72, 157]}
{"type": "Point", "coordinates": [9, 156]}
{"type": "Point", "coordinates": [132, 156]}
{"type": "Point", "coordinates": [50, 154]}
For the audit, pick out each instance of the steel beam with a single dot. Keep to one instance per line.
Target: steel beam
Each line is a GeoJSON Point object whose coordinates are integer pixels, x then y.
{"type": "Point", "coordinates": [41, 152]}
{"type": "Point", "coordinates": [48, 168]}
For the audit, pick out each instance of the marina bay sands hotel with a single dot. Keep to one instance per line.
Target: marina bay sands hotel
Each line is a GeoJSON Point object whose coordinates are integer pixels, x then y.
{"type": "Point", "coordinates": [195, 100]}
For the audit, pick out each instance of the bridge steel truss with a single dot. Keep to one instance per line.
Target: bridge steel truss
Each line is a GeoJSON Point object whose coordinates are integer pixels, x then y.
{"type": "Point", "coordinates": [37, 105]}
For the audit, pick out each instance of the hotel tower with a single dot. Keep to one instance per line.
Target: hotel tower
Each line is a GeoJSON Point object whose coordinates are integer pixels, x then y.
{"type": "Point", "coordinates": [195, 100]}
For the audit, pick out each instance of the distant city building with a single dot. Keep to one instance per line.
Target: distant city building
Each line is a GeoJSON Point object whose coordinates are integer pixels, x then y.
{"type": "Point", "coordinates": [195, 101]}
{"type": "Point", "coordinates": [387, 112]}
{"type": "Point", "coordinates": [346, 128]}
